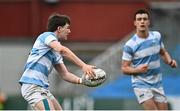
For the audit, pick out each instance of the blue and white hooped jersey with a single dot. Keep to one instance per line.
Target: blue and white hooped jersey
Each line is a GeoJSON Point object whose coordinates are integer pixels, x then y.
{"type": "Point", "coordinates": [145, 51]}
{"type": "Point", "coordinates": [40, 61]}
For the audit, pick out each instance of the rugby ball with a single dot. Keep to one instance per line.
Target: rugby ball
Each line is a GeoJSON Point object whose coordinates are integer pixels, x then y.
{"type": "Point", "coordinates": [100, 77]}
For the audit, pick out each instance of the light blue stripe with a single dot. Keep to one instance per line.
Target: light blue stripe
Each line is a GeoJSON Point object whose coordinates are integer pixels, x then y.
{"type": "Point", "coordinates": [53, 57]}
{"type": "Point", "coordinates": [43, 36]}
{"type": "Point", "coordinates": [50, 56]}
{"type": "Point", "coordinates": [33, 81]}
{"type": "Point", "coordinates": [37, 67]}
{"type": "Point", "coordinates": [146, 59]}
{"type": "Point", "coordinates": [146, 44]}
{"type": "Point", "coordinates": [28, 65]}
{"type": "Point", "coordinates": [154, 71]}
{"type": "Point", "coordinates": [128, 50]}
{"type": "Point", "coordinates": [134, 37]}
{"type": "Point", "coordinates": [143, 84]}
{"type": "Point", "coordinates": [34, 51]}
{"type": "Point", "coordinates": [151, 72]}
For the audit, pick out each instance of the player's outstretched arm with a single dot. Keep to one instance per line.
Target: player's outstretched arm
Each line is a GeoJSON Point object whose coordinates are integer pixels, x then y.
{"type": "Point", "coordinates": [167, 58]}
{"type": "Point", "coordinates": [67, 53]}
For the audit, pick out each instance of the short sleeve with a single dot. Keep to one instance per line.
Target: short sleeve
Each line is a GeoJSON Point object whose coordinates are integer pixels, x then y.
{"type": "Point", "coordinates": [161, 43]}
{"type": "Point", "coordinates": [127, 53]}
{"type": "Point", "coordinates": [49, 39]}
{"type": "Point", "coordinates": [158, 34]}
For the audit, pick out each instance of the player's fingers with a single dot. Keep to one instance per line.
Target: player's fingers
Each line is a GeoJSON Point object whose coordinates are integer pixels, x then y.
{"type": "Point", "coordinates": [145, 66]}
{"type": "Point", "coordinates": [145, 69]}
{"type": "Point", "coordinates": [92, 71]}
{"type": "Point", "coordinates": [88, 69]}
{"type": "Point", "coordinates": [91, 74]}
{"type": "Point", "coordinates": [174, 64]}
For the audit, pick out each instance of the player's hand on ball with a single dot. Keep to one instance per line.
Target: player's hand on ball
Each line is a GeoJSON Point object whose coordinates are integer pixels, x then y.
{"type": "Point", "coordinates": [88, 70]}
{"type": "Point", "coordinates": [100, 77]}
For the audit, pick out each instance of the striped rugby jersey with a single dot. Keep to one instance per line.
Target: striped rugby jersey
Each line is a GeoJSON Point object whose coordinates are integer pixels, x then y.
{"type": "Point", "coordinates": [145, 51]}
{"type": "Point", "coordinates": [40, 61]}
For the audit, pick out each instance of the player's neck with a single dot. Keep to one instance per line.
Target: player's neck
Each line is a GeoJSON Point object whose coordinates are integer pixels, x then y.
{"type": "Point", "coordinates": [142, 34]}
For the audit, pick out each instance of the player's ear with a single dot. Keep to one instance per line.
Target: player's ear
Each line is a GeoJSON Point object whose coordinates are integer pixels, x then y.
{"type": "Point", "coordinates": [149, 23]}
{"type": "Point", "coordinates": [59, 28]}
{"type": "Point", "coordinates": [135, 23]}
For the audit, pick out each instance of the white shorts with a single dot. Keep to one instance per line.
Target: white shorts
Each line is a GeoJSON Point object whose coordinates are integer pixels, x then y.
{"type": "Point", "coordinates": [144, 94]}
{"type": "Point", "coordinates": [34, 93]}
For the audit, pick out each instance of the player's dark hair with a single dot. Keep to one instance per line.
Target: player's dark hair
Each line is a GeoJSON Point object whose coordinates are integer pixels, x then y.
{"type": "Point", "coordinates": [56, 20]}
{"type": "Point", "coordinates": [142, 11]}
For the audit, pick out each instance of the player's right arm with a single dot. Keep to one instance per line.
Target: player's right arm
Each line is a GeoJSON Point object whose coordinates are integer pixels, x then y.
{"type": "Point", "coordinates": [67, 53]}
{"type": "Point", "coordinates": [126, 65]}
{"type": "Point", "coordinates": [129, 70]}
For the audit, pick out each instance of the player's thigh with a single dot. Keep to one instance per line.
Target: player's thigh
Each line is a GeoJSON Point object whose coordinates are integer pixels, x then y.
{"type": "Point", "coordinates": [149, 104]}
{"type": "Point", "coordinates": [45, 104]}
{"type": "Point", "coordinates": [143, 94]}
{"type": "Point", "coordinates": [162, 106]}
{"type": "Point", "coordinates": [160, 99]}
{"type": "Point", "coordinates": [56, 104]}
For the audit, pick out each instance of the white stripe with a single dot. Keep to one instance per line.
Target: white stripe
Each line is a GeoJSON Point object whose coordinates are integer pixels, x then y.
{"type": "Point", "coordinates": [147, 52]}
{"type": "Point", "coordinates": [126, 56]}
{"type": "Point", "coordinates": [154, 64]}
{"type": "Point", "coordinates": [33, 58]}
{"type": "Point", "coordinates": [131, 43]}
{"type": "Point", "coordinates": [58, 56]}
{"type": "Point", "coordinates": [37, 44]}
{"type": "Point", "coordinates": [46, 62]}
{"type": "Point", "coordinates": [36, 75]}
{"type": "Point", "coordinates": [162, 45]}
{"type": "Point", "coordinates": [150, 79]}
{"type": "Point", "coordinates": [49, 39]}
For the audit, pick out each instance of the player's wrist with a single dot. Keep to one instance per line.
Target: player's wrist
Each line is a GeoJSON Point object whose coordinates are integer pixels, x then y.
{"type": "Point", "coordinates": [79, 80]}
{"type": "Point", "coordinates": [171, 61]}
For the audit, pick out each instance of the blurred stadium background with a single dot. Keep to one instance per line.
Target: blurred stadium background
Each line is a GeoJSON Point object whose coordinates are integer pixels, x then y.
{"type": "Point", "coordinates": [99, 30]}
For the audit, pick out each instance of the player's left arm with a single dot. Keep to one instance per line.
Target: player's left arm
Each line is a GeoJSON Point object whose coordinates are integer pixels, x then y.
{"type": "Point", "coordinates": [67, 53]}
{"type": "Point", "coordinates": [167, 58]}
{"type": "Point", "coordinates": [66, 75]}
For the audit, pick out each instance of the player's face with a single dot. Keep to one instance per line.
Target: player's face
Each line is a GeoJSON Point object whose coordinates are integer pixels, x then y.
{"type": "Point", "coordinates": [64, 32]}
{"type": "Point", "coordinates": [142, 22]}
